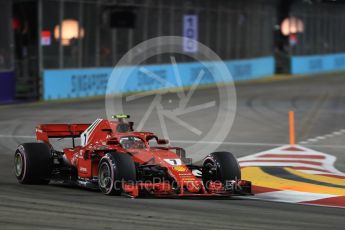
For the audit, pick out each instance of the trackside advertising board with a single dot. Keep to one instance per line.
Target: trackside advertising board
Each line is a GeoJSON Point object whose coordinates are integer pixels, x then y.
{"type": "Point", "coordinates": [75, 83]}
{"type": "Point", "coordinates": [317, 63]}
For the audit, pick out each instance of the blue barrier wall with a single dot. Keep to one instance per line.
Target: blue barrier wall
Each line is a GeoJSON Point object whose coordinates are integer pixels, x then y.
{"type": "Point", "coordinates": [73, 83]}
{"type": "Point", "coordinates": [7, 86]}
{"type": "Point", "coordinates": [317, 63]}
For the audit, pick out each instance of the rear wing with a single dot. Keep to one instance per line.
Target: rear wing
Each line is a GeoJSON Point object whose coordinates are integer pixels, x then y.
{"type": "Point", "coordinates": [46, 131]}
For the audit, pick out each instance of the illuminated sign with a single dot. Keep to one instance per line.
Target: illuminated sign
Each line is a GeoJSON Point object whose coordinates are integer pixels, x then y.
{"type": "Point", "coordinates": [46, 38]}
{"type": "Point", "coordinates": [190, 33]}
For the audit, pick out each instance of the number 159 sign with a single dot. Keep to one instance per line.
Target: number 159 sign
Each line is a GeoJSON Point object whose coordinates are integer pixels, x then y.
{"type": "Point", "coordinates": [190, 33]}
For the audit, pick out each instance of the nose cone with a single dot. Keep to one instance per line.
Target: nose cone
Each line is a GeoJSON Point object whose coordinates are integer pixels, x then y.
{"type": "Point", "coordinates": [193, 186]}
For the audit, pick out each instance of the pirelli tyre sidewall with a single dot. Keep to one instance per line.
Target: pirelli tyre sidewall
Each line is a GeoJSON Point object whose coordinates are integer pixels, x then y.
{"type": "Point", "coordinates": [33, 163]}
{"type": "Point", "coordinates": [226, 168]}
{"type": "Point", "coordinates": [114, 169]}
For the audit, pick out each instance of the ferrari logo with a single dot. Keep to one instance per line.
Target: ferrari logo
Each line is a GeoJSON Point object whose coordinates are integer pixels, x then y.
{"type": "Point", "coordinates": [180, 168]}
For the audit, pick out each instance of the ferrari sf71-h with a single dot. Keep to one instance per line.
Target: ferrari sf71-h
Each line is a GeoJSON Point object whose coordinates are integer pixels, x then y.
{"type": "Point", "coordinates": [115, 159]}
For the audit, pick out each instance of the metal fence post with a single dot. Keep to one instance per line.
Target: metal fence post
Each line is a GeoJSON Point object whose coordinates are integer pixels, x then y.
{"type": "Point", "coordinates": [97, 34]}
{"type": "Point", "coordinates": [80, 41]}
{"type": "Point", "coordinates": [40, 52]}
{"type": "Point", "coordinates": [159, 29]}
{"type": "Point", "coordinates": [61, 16]}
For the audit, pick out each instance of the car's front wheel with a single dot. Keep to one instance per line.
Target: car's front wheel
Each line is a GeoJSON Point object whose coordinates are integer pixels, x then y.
{"type": "Point", "coordinates": [220, 167]}
{"type": "Point", "coordinates": [114, 169]}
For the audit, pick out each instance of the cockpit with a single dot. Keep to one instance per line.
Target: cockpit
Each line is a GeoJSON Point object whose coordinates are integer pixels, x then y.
{"type": "Point", "coordinates": [132, 143]}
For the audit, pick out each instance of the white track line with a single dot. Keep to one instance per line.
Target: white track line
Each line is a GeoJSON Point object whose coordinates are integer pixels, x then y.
{"type": "Point", "coordinates": [226, 143]}
{"type": "Point", "coordinates": [18, 136]}
{"type": "Point", "coordinates": [174, 141]}
{"type": "Point", "coordinates": [291, 196]}
{"type": "Point", "coordinates": [323, 137]}
{"type": "Point", "coordinates": [252, 144]}
{"type": "Point", "coordinates": [4, 136]}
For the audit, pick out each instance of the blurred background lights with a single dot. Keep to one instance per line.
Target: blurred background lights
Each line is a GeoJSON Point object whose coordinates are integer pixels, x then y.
{"type": "Point", "coordinates": [292, 25]}
{"type": "Point", "coordinates": [70, 30]}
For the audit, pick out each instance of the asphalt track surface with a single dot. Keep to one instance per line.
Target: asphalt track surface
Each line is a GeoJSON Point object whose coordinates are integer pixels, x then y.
{"type": "Point", "coordinates": [260, 124]}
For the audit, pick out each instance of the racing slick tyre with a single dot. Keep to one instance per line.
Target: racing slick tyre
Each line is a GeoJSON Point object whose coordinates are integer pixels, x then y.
{"type": "Point", "coordinates": [115, 168]}
{"type": "Point", "coordinates": [222, 167]}
{"type": "Point", "coordinates": [33, 163]}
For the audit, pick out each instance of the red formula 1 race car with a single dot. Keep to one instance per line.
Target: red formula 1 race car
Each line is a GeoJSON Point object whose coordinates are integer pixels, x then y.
{"type": "Point", "coordinates": [117, 160]}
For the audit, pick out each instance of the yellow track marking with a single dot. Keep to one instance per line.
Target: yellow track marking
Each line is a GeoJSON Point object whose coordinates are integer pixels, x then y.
{"type": "Point", "coordinates": [320, 178]}
{"type": "Point", "coordinates": [260, 178]}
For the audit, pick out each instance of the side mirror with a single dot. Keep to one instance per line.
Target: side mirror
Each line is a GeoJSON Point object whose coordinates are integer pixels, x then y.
{"type": "Point", "coordinates": [131, 125]}
{"type": "Point", "coordinates": [162, 141]}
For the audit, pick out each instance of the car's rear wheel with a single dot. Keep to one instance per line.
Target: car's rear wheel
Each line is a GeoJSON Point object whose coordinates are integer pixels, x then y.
{"type": "Point", "coordinates": [220, 167]}
{"type": "Point", "coordinates": [114, 169]}
{"type": "Point", "coordinates": [33, 163]}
